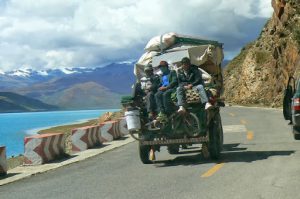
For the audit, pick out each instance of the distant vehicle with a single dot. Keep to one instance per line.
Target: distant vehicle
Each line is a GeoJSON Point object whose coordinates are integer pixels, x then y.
{"type": "Point", "coordinates": [291, 106]}
{"type": "Point", "coordinates": [181, 130]}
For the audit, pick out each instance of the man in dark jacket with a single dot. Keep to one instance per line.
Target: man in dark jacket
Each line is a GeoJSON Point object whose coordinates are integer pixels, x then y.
{"type": "Point", "coordinates": [150, 84]}
{"type": "Point", "coordinates": [163, 95]}
{"type": "Point", "coordinates": [189, 77]}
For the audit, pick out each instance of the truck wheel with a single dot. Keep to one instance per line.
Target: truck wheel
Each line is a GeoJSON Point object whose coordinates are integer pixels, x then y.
{"type": "Point", "coordinates": [297, 136]}
{"type": "Point", "coordinates": [173, 149]}
{"type": "Point", "coordinates": [144, 152]}
{"type": "Point", "coordinates": [215, 137]}
{"type": "Point", "coordinates": [296, 133]}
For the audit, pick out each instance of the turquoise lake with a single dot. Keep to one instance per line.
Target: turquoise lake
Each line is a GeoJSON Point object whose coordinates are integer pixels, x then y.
{"type": "Point", "coordinates": [15, 126]}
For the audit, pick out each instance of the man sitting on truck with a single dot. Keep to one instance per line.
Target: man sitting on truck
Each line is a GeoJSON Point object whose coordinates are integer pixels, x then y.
{"type": "Point", "coordinates": [149, 85]}
{"type": "Point", "coordinates": [190, 77]}
{"type": "Point", "coordinates": [163, 95]}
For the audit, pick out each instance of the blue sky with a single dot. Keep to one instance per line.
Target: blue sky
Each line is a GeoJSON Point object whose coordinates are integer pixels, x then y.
{"type": "Point", "coordinates": [74, 33]}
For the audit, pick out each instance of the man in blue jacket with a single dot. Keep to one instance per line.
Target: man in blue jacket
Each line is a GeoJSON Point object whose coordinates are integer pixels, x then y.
{"type": "Point", "coordinates": [163, 95]}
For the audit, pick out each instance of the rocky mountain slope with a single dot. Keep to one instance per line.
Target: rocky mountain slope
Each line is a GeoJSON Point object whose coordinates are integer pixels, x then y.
{"type": "Point", "coordinates": [258, 75]}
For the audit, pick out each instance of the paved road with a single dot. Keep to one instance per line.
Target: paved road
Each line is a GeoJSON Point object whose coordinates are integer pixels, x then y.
{"type": "Point", "coordinates": [260, 160]}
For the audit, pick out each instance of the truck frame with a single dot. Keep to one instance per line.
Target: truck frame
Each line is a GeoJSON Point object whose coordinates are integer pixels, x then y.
{"type": "Point", "coordinates": [196, 125]}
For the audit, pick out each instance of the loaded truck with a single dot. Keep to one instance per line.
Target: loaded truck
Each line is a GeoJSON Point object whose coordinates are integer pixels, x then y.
{"type": "Point", "coordinates": [196, 125]}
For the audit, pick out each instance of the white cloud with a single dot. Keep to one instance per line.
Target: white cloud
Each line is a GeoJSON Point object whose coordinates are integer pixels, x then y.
{"type": "Point", "coordinates": [249, 8]}
{"type": "Point", "coordinates": [265, 10]}
{"type": "Point", "coordinates": [59, 58]}
{"type": "Point", "coordinates": [41, 8]}
{"type": "Point", "coordinates": [69, 33]}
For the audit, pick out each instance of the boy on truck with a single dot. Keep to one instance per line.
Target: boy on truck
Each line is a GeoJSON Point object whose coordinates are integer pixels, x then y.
{"type": "Point", "coordinates": [189, 77]}
{"type": "Point", "coordinates": [149, 85]}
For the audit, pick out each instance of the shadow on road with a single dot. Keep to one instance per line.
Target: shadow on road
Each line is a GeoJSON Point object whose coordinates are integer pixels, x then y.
{"type": "Point", "coordinates": [233, 147]}
{"type": "Point", "coordinates": [181, 160]}
{"type": "Point", "coordinates": [234, 153]}
{"type": "Point", "coordinates": [8, 175]}
{"type": "Point", "coordinates": [251, 156]}
{"type": "Point", "coordinates": [230, 153]}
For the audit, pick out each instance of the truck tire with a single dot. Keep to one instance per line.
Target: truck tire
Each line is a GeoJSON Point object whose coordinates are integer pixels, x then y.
{"type": "Point", "coordinates": [297, 136]}
{"type": "Point", "coordinates": [144, 152]}
{"type": "Point", "coordinates": [215, 144]}
{"type": "Point", "coordinates": [296, 133]}
{"type": "Point", "coordinates": [173, 149]}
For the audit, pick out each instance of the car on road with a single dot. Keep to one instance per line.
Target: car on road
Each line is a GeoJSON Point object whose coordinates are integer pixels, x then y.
{"type": "Point", "coordinates": [291, 105]}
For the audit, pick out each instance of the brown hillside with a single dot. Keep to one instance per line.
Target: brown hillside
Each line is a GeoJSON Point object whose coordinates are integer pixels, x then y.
{"type": "Point", "coordinates": [88, 95]}
{"type": "Point", "coordinates": [259, 73]}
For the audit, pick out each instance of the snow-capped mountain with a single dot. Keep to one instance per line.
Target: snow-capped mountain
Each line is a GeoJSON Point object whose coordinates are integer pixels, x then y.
{"type": "Point", "coordinates": [27, 73]}
{"type": "Point", "coordinates": [60, 87]}
{"type": "Point", "coordinates": [26, 77]}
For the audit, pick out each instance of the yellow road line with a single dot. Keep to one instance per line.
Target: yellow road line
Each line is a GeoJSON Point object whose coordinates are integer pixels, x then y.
{"type": "Point", "coordinates": [250, 135]}
{"type": "Point", "coordinates": [232, 114]}
{"type": "Point", "coordinates": [243, 122]}
{"type": "Point", "coordinates": [213, 170]}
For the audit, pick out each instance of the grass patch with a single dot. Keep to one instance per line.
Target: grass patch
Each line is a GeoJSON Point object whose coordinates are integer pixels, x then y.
{"type": "Point", "coordinates": [296, 35]}
{"type": "Point", "coordinates": [261, 57]}
{"type": "Point", "coordinates": [68, 128]}
{"type": "Point", "coordinates": [15, 161]}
